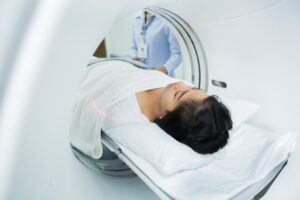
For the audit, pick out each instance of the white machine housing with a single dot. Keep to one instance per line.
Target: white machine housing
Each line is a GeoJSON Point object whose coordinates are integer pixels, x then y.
{"type": "Point", "coordinates": [253, 46]}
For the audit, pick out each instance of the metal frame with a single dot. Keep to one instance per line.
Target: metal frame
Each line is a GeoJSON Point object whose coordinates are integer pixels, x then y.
{"type": "Point", "coordinates": [193, 44]}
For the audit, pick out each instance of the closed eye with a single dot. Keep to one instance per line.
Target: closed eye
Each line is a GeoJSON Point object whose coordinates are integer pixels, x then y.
{"type": "Point", "coordinates": [175, 94]}
{"type": "Point", "coordinates": [181, 94]}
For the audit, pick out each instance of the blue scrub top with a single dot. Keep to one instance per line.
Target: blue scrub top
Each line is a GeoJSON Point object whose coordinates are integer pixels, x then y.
{"type": "Point", "coordinates": [163, 48]}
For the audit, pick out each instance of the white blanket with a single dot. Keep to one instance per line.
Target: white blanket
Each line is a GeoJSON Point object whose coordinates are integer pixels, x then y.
{"type": "Point", "coordinates": [104, 84]}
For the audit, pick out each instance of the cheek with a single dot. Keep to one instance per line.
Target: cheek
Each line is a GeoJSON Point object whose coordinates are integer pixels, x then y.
{"type": "Point", "coordinates": [167, 103]}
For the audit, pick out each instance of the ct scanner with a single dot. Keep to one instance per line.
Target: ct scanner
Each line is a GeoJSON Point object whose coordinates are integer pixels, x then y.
{"type": "Point", "coordinates": [251, 46]}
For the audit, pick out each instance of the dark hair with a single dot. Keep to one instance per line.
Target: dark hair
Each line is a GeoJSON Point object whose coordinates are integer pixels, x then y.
{"type": "Point", "coordinates": [202, 125]}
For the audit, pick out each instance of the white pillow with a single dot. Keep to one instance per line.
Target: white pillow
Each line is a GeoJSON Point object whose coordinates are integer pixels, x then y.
{"type": "Point", "coordinates": [241, 110]}
{"type": "Point", "coordinates": [163, 152]}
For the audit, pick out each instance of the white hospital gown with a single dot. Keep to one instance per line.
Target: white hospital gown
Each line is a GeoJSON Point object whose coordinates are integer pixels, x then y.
{"type": "Point", "coordinates": [124, 111]}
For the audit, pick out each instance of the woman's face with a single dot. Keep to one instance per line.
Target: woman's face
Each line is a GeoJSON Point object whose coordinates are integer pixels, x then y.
{"type": "Point", "coordinates": [178, 92]}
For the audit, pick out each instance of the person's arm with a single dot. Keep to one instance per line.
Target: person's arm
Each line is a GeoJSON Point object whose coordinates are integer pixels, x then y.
{"type": "Point", "coordinates": [175, 55]}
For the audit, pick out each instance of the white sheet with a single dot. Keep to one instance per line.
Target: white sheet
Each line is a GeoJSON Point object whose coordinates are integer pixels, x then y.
{"type": "Point", "coordinates": [251, 154]}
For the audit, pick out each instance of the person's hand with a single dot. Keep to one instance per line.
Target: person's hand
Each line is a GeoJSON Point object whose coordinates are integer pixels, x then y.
{"type": "Point", "coordinates": [163, 69]}
{"type": "Point", "coordinates": [136, 58]}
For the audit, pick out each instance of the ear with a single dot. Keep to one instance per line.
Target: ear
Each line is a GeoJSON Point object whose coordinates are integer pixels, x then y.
{"type": "Point", "coordinates": [164, 114]}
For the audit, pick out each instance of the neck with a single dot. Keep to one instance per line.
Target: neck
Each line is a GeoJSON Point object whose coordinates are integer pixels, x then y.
{"type": "Point", "coordinates": [146, 16]}
{"type": "Point", "coordinates": [153, 108]}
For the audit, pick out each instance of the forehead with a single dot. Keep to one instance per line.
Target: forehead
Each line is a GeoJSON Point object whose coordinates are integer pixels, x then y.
{"type": "Point", "coordinates": [195, 94]}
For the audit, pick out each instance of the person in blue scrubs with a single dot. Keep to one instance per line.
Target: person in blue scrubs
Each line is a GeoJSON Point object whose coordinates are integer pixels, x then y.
{"type": "Point", "coordinates": [154, 44]}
